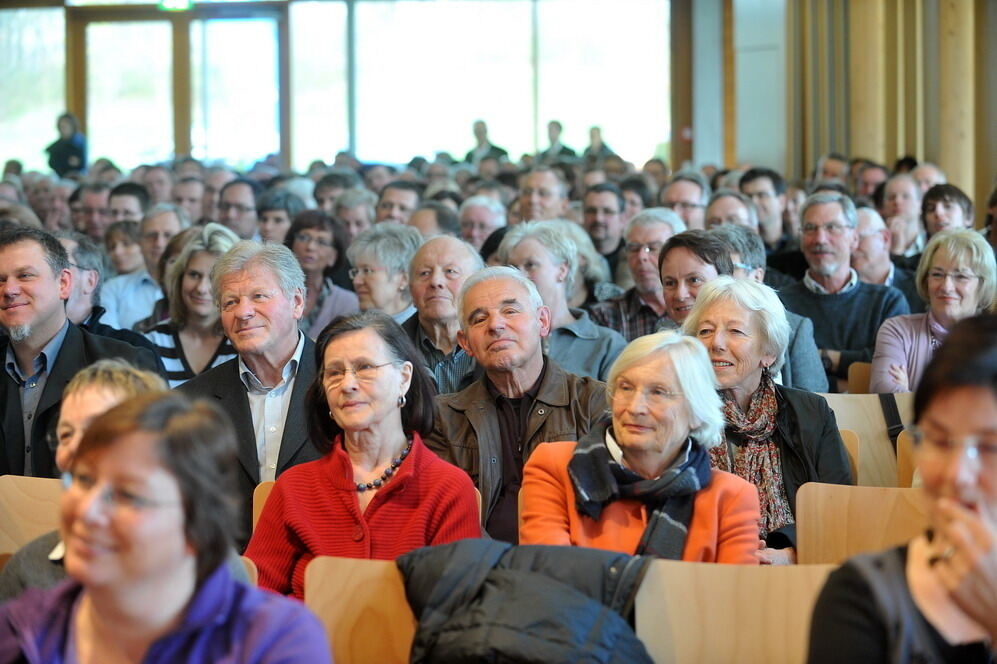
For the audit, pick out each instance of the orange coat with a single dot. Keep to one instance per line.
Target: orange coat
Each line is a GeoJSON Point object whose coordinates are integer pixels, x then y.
{"type": "Point", "coordinates": [724, 526]}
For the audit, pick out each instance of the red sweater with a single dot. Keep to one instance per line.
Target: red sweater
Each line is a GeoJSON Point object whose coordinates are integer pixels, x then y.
{"type": "Point", "coordinates": [313, 511]}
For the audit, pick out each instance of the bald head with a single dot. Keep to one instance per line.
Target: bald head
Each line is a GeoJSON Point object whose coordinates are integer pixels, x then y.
{"type": "Point", "coordinates": [438, 272]}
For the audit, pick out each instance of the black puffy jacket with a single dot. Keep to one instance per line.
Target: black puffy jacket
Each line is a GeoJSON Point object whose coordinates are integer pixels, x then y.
{"type": "Point", "coordinates": [488, 601]}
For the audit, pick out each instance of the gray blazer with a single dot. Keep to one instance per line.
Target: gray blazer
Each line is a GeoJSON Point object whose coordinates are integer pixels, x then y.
{"type": "Point", "coordinates": [802, 367]}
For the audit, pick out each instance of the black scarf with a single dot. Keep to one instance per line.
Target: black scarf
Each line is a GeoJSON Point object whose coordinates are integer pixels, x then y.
{"type": "Point", "coordinates": [598, 480]}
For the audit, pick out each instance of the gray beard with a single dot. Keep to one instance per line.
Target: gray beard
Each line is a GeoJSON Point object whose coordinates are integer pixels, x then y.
{"type": "Point", "coordinates": [19, 333]}
{"type": "Point", "coordinates": [826, 270]}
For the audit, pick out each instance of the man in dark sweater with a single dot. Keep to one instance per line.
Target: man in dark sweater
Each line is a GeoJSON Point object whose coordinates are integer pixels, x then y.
{"type": "Point", "coordinates": [846, 312]}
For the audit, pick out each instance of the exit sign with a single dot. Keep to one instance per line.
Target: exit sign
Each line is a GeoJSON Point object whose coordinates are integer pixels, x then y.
{"type": "Point", "coordinates": [175, 5]}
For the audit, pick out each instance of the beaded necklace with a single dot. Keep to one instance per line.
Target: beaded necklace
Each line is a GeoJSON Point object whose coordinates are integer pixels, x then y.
{"type": "Point", "coordinates": [388, 472]}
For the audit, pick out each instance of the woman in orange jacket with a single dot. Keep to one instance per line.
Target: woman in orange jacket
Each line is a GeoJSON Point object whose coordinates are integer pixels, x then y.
{"type": "Point", "coordinates": [641, 482]}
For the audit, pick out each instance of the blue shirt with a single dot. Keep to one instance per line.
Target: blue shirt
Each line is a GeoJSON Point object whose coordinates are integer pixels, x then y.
{"type": "Point", "coordinates": [30, 388]}
{"type": "Point", "coordinates": [226, 622]}
{"type": "Point", "coordinates": [128, 298]}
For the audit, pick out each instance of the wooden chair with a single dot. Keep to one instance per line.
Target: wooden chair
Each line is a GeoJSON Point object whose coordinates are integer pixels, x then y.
{"type": "Point", "coordinates": [251, 571]}
{"type": "Point", "coordinates": [260, 495]}
{"type": "Point", "coordinates": [863, 414]}
{"type": "Point", "coordinates": [835, 522]}
{"type": "Point", "coordinates": [689, 613]}
{"type": "Point", "coordinates": [905, 459]}
{"type": "Point", "coordinates": [852, 448]}
{"type": "Point", "coordinates": [363, 607]}
{"type": "Point", "coordinates": [29, 508]}
{"type": "Point", "coordinates": [859, 375]}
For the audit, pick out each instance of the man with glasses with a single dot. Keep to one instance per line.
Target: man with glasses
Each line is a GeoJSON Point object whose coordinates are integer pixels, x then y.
{"type": "Point", "coordinates": [767, 190]}
{"type": "Point", "coordinates": [237, 208]}
{"type": "Point", "coordinates": [260, 290]}
{"type": "Point", "coordinates": [687, 193]}
{"type": "Point", "coordinates": [871, 259]}
{"type": "Point", "coordinates": [641, 309]}
{"type": "Point", "coordinates": [845, 311]}
{"type": "Point", "coordinates": [128, 298]}
{"type": "Point", "coordinates": [602, 218]}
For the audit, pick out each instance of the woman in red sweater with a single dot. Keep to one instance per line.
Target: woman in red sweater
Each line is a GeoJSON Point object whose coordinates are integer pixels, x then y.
{"type": "Point", "coordinates": [641, 482]}
{"type": "Point", "coordinates": [378, 492]}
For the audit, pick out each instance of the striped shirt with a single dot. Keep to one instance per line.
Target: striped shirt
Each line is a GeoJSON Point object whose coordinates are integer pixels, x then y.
{"type": "Point", "coordinates": [628, 314]}
{"type": "Point", "coordinates": [166, 338]}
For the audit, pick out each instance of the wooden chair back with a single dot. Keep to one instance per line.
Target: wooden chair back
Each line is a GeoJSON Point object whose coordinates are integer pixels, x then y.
{"type": "Point", "coordinates": [260, 495]}
{"type": "Point", "coordinates": [363, 607]}
{"type": "Point", "coordinates": [29, 508]}
{"type": "Point", "coordinates": [853, 449]}
{"type": "Point", "coordinates": [690, 613]}
{"type": "Point", "coordinates": [859, 375]}
{"type": "Point", "coordinates": [835, 522]}
{"type": "Point", "coordinates": [905, 459]}
{"type": "Point", "coordinates": [863, 414]}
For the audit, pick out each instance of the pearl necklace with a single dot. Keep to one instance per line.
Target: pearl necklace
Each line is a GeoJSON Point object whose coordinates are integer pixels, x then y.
{"type": "Point", "coordinates": [388, 472]}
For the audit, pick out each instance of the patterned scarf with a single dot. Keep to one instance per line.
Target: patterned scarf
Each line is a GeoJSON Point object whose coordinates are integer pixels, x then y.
{"type": "Point", "coordinates": [598, 480]}
{"type": "Point", "coordinates": [750, 452]}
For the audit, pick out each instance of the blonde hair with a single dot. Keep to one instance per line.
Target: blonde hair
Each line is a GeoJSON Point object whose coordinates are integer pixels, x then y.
{"type": "Point", "coordinates": [693, 371]}
{"type": "Point", "coordinates": [752, 296]}
{"type": "Point", "coordinates": [962, 246]}
{"type": "Point", "coordinates": [117, 376]}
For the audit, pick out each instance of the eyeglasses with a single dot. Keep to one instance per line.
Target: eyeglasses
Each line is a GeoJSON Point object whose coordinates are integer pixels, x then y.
{"type": "Point", "coordinates": [365, 373]}
{"type": "Point", "coordinates": [364, 271]}
{"type": "Point", "coordinates": [306, 239]}
{"type": "Point", "coordinates": [682, 205]}
{"type": "Point", "coordinates": [95, 212]}
{"type": "Point", "coordinates": [637, 248]}
{"type": "Point", "coordinates": [832, 228]}
{"type": "Point", "coordinates": [960, 278]}
{"type": "Point", "coordinates": [655, 395]}
{"type": "Point", "coordinates": [241, 209]}
{"type": "Point", "coordinates": [981, 448]}
{"type": "Point", "coordinates": [112, 498]}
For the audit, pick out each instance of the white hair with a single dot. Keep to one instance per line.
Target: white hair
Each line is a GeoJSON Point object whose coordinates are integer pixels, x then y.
{"type": "Point", "coordinates": [694, 373]}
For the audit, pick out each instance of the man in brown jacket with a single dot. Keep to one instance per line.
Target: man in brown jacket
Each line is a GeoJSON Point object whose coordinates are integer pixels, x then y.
{"type": "Point", "coordinates": [523, 399]}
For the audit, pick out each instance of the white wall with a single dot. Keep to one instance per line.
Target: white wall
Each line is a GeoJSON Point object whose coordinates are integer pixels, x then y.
{"type": "Point", "coordinates": [760, 66]}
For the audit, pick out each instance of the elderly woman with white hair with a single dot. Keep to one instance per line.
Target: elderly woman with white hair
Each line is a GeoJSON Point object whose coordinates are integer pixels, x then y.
{"type": "Point", "coordinates": [776, 437]}
{"type": "Point", "coordinates": [549, 258]}
{"type": "Point", "coordinates": [640, 482]}
{"type": "Point", "coordinates": [380, 257]}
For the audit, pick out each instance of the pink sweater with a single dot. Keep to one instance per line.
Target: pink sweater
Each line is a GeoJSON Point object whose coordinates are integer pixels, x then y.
{"type": "Point", "coordinates": [313, 511]}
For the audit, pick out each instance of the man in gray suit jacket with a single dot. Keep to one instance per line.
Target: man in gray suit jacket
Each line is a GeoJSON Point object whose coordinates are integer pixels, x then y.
{"type": "Point", "coordinates": [260, 290]}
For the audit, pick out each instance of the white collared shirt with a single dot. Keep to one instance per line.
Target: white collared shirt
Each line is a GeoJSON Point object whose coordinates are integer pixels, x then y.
{"type": "Point", "coordinates": [814, 287]}
{"type": "Point", "coordinates": [269, 407]}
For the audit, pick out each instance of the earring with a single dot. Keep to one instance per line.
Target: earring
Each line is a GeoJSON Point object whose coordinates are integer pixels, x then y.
{"type": "Point", "coordinates": [401, 401]}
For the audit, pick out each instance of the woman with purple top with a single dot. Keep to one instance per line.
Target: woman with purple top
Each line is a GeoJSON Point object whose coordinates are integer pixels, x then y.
{"type": "Point", "coordinates": [146, 519]}
{"type": "Point", "coordinates": [957, 277]}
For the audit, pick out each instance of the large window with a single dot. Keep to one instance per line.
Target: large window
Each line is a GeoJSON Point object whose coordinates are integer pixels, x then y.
{"type": "Point", "coordinates": [234, 90]}
{"type": "Point", "coordinates": [319, 96]}
{"type": "Point", "coordinates": [390, 79]}
{"type": "Point", "coordinates": [427, 71]}
{"type": "Point", "coordinates": [129, 98]}
{"type": "Point", "coordinates": [32, 93]}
